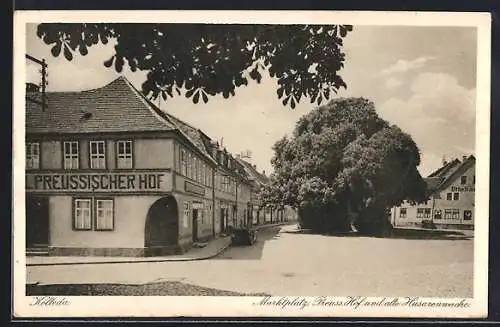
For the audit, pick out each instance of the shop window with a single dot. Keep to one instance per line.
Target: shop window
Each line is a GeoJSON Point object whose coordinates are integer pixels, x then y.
{"type": "Point", "coordinates": [448, 196]}
{"type": "Point", "coordinates": [438, 214]}
{"type": "Point", "coordinates": [32, 155]}
{"type": "Point", "coordinates": [456, 196]}
{"type": "Point", "coordinates": [467, 214]}
{"type": "Point", "coordinates": [447, 213]}
{"type": "Point", "coordinates": [420, 213]}
{"type": "Point", "coordinates": [104, 214]}
{"type": "Point", "coordinates": [463, 180]}
{"type": "Point", "coordinates": [124, 153]}
{"type": "Point", "coordinates": [71, 154]}
{"type": "Point", "coordinates": [93, 214]}
{"type": "Point", "coordinates": [185, 220]}
{"type": "Point", "coordinates": [184, 163]}
{"type": "Point", "coordinates": [97, 155]}
{"type": "Point", "coordinates": [402, 212]}
{"type": "Point", "coordinates": [82, 215]}
{"type": "Point", "coordinates": [427, 213]}
{"type": "Point", "coordinates": [455, 214]}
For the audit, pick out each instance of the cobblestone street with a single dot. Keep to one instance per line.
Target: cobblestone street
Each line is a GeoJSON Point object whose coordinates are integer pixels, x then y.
{"type": "Point", "coordinates": [282, 263]}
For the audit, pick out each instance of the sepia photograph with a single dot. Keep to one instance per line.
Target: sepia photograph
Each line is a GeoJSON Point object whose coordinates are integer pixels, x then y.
{"type": "Point", "coordinates": [319, 164]}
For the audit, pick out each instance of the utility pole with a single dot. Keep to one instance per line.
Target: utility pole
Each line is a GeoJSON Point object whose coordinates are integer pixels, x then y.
{"type": "Point", "coordinates": [44, 66]}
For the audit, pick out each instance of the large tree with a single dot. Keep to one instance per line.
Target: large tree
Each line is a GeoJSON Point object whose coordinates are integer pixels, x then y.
{"type": "Point", "coordinates": [344, 166]}
{"type": "Point", "coordinates": [209, 59]}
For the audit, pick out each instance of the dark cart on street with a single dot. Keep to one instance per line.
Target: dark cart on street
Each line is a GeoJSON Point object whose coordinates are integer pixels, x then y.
{"type": "Point", "coordinates": [243, 236]}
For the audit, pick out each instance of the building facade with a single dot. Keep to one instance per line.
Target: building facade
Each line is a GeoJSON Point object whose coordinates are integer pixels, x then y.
{"type": "Point", "coordinates": [451, 201]}
{"type": "Point", "coordinates": [109, 174]}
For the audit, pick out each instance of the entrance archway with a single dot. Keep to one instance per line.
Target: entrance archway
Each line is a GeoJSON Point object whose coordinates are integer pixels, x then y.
{"type": "Point", "coordinates": [162, 223]}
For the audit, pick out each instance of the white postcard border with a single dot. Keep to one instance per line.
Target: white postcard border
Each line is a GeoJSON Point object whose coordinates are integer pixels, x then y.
{"type": "Point", "coordinates": [244, 306]}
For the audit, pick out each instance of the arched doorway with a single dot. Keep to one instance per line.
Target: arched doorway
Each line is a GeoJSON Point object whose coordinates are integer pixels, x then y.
{"type": "Point", "coordinates": [162, 223]}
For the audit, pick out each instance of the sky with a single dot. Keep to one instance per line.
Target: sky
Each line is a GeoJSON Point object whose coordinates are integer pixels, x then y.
{"type": "Point", "coordinates": [422, 79]}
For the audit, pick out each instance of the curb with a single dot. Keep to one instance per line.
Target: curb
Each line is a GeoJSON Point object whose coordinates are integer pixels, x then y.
{"type": "Point", "coordinates": [213, 255]}
{"type": "Point", "coordinates": [206, 257]}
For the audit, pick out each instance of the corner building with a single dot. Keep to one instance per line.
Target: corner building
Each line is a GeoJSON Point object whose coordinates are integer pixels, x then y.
{"type": "Point", "coordinates": [109, 174]}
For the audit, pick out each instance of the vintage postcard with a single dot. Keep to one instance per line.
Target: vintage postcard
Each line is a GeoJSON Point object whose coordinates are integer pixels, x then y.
{"type": "Point", "coordinates": [251, 164]}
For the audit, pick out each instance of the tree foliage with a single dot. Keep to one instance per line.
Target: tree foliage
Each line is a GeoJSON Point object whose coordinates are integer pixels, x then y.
{"type": "Point", "coordinates": [345, 166]}
{"type": "Point", "coordinates": [210, 59]}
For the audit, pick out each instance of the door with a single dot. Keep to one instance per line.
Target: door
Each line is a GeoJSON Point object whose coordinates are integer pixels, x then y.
{"type": "Point", "coordinates": [37, 222]}
{"type": "Point", "coordinates": [195, 225]}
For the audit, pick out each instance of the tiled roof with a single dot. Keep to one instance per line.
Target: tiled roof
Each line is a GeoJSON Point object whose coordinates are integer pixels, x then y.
{"type": "Point", "coordinates": [253, 173]}
{"type": "Point", "coordinates": [443, 176]}
{"type": "Point", "coordinates": [115, 107]}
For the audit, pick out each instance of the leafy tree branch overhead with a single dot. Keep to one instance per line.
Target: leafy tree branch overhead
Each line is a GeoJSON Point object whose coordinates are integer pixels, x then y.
{"type": "Point", "coordinates": [209, 59]}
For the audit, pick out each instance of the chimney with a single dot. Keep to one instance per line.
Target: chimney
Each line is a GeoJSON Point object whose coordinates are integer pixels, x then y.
{"type": "Point", "coordinates": [254, 166]}
{"type": "Point", "coordinates": [444, 161]}
{"type": "Point", "coordinates": [264, 172]}
{"type": "Point", "coordinates": [464, 158]}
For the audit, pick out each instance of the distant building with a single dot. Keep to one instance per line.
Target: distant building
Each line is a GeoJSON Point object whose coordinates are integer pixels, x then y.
{"type": "Point", "coordinates": [451, 199]}
{"type": "Point", "coordinates": [263, 212]}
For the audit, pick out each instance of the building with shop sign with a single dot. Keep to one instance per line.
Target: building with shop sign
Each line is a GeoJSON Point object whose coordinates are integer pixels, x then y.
{"type": "Point", "coordinates": [109, 174]}
{"type": "Point", "coordinates": [451, 201]}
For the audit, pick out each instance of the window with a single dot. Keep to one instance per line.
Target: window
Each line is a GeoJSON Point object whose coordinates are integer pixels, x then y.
{"type": "Point", "coordinates": [189, 164]}
{"type": "Point", "coordinates": [104, 214]}
{"type": "Point", "coordinates": [447, 214]}
{"type": "Point", "coordinates": [185, 221]}
{"type": "Point", "coordinates": [82, 216]}
{"type": "Point", "coordinates": [437, 214]}
{"type": "Point", "coordinates": [463, 180]}
{"type": "Point", "coordinates": [420, 213]}
{"type": "Point", "coordinates": [448, 196]}
{"type": "Point", "coordinates": [184, 164]}
{"type": "Point", "coordinates": [467, 215]}
{"type": "Point", "coordinates": [70, 150]}
{"type": "Point", "coordinates": [98, 217]}
{"type": "Point", "coordinates": [124, 154]}
{"type": "Point", "coordinates": [195, 168]}
{"type": "Point", "coordinates": [203, 174]}
{"type": "Point", "coordinates": [97, 155]}
{"type": "Point", "coordinates": [32, 155]}
{"type": "Point", "coordinates": [455, 214]}
{"type": "Point", "coordinates": [427, 213]}
{"type": "Point", "coordinates": [456, 196]}
{"type": "Point", "coordinates": [402, 212]}
{"type": "Point", "coordinates": [474, 179]}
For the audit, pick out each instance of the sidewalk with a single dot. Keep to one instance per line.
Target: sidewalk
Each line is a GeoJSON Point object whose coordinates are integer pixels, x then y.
{"type": "Point", "coordinates": [213, 249]}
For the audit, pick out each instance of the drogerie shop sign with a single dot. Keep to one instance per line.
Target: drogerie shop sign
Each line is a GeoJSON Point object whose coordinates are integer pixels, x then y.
{"type": "Point", "coordinates": [99, 182]}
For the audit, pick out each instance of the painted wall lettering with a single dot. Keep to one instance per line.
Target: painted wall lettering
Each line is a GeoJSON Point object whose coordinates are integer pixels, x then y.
{"type": "Point", "coordinates": [463, 189]}
{"type": "Point", "coordinates": [92, 182]}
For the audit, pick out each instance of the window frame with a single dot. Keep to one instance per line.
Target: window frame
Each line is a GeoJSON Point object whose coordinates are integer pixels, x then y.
{"type": "Point", "coordinates": [449, 196]}
{"type": "Point", "coordinates": [124, 156]}
{"type": "Point", "coordinates": [427, 213]}
{"type": "Point", "coordinates": [93, 213]}
{"type": "Point", "coordinates": [455, 214]}
{"type": "Point", "coordinates": [70, 156]}
{"type": "Point", "coordinates": [456, 196]}
{"type": "Point", "coordinates": [420, 213]}
{"type": "Point", "coordinates": [97, 142]}
{"type": "Point", "coordinates": [96, 200]}
{"type": "Point", "coordinates": [31, 155]}
{"type": "Point", "coordinates": [440, 216]}
{"type": "Point", "coordinates": [401, 211]}
{"type": "Point", "coordinates": [447, 214]}
{"type": "Point", "coordinates": [184, 164]}
{"type": "Point", "coordinates": [463, 180]}
{"type": "Point", "coordinates": [74, 208]}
